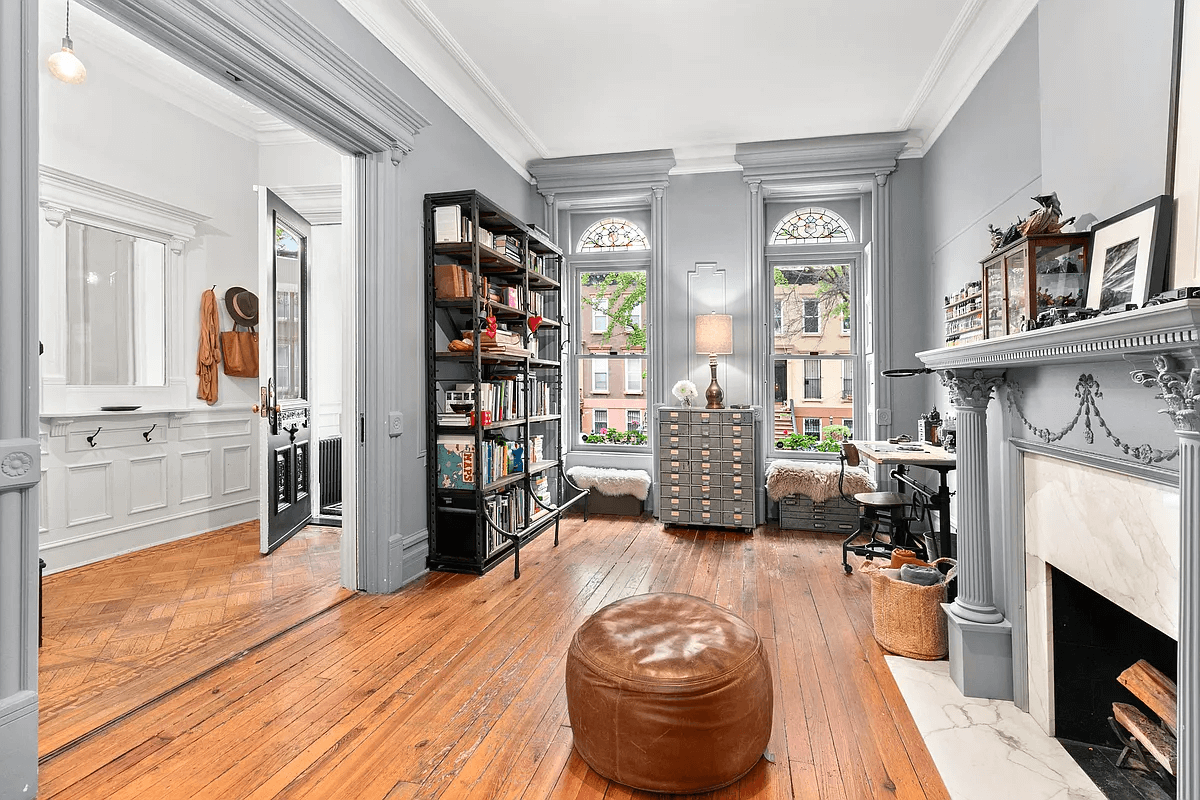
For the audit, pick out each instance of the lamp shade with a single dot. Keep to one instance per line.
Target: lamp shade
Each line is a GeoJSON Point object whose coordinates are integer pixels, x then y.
{"type": "Point", "coordinates": [714, 334]}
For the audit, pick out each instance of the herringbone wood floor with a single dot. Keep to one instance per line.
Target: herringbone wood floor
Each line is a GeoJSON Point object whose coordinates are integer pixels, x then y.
{"type": "Point", "coordinates": [120, 632]}
{"type": "Point", "coordinates": [453, 686]}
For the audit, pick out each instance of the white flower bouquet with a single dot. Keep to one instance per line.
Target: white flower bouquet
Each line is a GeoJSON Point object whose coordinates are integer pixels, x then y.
{"type": "Point", "coordinates": [684, 391]}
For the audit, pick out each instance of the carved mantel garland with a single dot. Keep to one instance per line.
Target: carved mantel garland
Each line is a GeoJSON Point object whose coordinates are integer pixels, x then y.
{"type": "Point", "coordinates": [1087, 389]}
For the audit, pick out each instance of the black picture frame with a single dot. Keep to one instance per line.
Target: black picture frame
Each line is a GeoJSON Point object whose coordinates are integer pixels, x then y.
{"type": "Point", "coordinates": [1129, 254]}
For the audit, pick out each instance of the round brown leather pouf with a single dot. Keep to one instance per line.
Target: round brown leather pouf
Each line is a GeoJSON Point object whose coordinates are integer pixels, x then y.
{"type": "Point", "coordinates": [669, 693]}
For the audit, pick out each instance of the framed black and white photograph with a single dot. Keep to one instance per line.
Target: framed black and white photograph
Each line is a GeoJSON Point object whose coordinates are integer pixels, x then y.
{"type": "Point", "coordinates": [1129, 255]}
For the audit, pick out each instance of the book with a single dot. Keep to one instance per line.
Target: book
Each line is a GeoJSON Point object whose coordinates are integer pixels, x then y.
{"type": "Point", "coordinates": [456, 462]}
{"type": "Point", "coordinates": [447, 224]}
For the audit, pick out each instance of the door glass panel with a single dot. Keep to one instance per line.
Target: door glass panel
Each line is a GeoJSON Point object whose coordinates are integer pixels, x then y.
{"type": "Point", "coordinates": [289, 313]}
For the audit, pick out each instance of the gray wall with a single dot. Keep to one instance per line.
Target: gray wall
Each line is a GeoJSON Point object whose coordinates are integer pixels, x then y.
{"type": "Point", "coordinates": [1077, 104]}
{"type": "Point", "coordinates": [448, 156]}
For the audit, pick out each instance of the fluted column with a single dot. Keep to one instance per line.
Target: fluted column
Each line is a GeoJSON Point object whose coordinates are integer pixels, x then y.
{"type": "Point", "coordinates": [970, 393]}
{"type": "Point", "coordinates": [1181, 395]}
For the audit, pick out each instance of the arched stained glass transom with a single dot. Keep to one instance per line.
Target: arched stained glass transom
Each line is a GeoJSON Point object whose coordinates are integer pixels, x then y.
{"type": "Point", "coordinates": [812, 226]}
{"type": "Point", "coordinates": [613, 233]}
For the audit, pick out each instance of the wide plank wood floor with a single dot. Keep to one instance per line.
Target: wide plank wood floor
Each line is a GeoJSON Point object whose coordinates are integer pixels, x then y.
{"type": "Point", "coordinates": [120, 632]}
{"type": "Point", "coordinates": [453, 687]}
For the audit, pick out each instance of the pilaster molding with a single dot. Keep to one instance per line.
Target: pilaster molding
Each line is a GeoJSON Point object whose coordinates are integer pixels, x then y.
{"type": "Point", "coordinates": [272, 56]}
{"type": "Point", "coordinates": [1180, 393]}
{"type": "Point", "coordinates": [971, 389]}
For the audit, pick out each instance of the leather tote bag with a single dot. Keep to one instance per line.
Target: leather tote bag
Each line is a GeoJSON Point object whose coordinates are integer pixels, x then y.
{"type": "Point", "coordinates": [240, 351]}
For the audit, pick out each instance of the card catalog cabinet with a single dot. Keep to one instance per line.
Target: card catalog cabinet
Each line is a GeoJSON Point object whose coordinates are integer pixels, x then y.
{"type": "Point", "coordinates": [706, 467]}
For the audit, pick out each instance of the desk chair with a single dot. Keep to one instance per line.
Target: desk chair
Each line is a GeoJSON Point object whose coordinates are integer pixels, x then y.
{"type": "Point", "coordinates": [882, 513]}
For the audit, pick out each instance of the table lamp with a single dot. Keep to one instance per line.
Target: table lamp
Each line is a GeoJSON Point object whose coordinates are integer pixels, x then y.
{"type": "Point", "coordinates": [714, 335]}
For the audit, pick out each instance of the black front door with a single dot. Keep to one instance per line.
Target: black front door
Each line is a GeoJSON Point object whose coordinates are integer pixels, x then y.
{"type": "Point", "coordinates": [288, 452]}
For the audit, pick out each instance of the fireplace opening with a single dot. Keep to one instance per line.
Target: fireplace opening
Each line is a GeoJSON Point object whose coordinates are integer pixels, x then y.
{"type": "Point", "coordinates": [1094, 641]}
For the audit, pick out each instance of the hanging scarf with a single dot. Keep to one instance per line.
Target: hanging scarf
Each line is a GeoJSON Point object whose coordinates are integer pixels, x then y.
{"type": "Point", "coordinates": [209, 355]}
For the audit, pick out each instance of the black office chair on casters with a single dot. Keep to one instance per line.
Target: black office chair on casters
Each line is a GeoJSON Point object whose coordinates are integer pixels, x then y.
{"type": "Point", "coordinates": [883, 513]}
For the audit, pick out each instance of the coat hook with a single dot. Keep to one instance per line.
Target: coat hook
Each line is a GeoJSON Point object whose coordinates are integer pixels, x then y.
{"type": "Point", "coordinates": [146, 434]}
{"type": "Point", "coordinates": [91, 440]}
{"type": "Point", "coordinates": [214, 288]}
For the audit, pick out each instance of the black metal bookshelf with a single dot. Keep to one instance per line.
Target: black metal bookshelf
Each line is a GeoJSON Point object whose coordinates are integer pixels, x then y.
{"type": "Point", "coordinates": [476, 520]}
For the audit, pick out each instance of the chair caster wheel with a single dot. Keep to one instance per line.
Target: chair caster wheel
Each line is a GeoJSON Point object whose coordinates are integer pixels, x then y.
{"type": "Point", "coordinates": [847, 568]}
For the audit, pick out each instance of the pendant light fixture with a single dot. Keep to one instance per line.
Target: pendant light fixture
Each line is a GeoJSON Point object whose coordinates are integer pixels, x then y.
{"type": "Point", "coordinates": [65, 65]}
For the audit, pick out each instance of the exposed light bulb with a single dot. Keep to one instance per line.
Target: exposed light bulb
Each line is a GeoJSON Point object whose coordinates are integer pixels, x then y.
{"type": "Point", "coordinates": [66, 66]}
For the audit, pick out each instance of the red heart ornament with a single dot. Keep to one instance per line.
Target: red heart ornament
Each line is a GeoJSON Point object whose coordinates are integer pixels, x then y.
{"type": "Point", "coordinates": [491, 326]}
{"type": "Point", "coordinates": [534, 322]}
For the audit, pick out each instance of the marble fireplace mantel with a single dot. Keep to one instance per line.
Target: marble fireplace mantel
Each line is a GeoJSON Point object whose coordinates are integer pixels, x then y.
{"type": "Point", "coordinates": [1161, 345]}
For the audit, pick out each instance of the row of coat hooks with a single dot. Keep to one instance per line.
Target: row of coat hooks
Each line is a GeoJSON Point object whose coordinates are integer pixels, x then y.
{"type": "Point", "coordinates": [91, 440]}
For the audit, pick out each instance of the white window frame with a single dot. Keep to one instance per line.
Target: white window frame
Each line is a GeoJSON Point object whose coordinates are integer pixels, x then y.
{"type": "Point", "coordinates": [814, 255]}
{"type": "Point", "coordinates": [609, 261]}
{"type": "Point", "coordinates": [804, 426]}
{"type": "Point", "coordinates": [595, 371]}
{"type": "Point", "coordinates": [641, 419]}
{"type": "Point", "coordinates": [804, 316]}
{"type": "Point", "coordinates": [633, 367]}
{"type": "Point", "coordinates": [600, 316]}
{"type": "Point", "coordinates": [596, 426]}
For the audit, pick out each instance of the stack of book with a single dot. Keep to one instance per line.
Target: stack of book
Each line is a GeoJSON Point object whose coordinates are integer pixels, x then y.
{"type": "Point", "coordinates": [509, 246]}
{"type": "Point", "coordinates": [502, 341]}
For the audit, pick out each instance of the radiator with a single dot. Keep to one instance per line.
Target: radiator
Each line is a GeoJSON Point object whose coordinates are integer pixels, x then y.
{"type": "Point", "coordinates": [330, 466]}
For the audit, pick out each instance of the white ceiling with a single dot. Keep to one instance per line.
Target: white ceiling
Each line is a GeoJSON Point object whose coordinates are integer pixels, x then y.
{"type": "Point", "coordinates": [541, 79]}
{"type": "Point", "coordinates": [97, 40]}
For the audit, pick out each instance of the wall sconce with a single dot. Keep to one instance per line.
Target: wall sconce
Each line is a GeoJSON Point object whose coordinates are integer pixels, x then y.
{"type": "Point", "coordinates": [714, 336]}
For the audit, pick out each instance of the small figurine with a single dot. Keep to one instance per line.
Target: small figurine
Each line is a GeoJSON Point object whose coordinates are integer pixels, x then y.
{"type": "Point", "coordinates": [997, 236]}
{"type": "Point", "coordinates": [1046, 218]}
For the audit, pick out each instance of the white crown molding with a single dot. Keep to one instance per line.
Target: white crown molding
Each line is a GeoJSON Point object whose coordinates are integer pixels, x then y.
{"type": "Point", "coordinates": [450, 86]}
{"type": "Point", "coordinates": [320, 204]}
{"type": "Point", "coordinates": [966, 16]}
{"type": "Point", "coordinates": [609, 172]}
{"type": "Point", "coordinates": [65, 195]}
{"type": "Point", "coordinates": [705, 158]}
{"type": "Point", "coordinates": [1001, 35]}
{"type": "Point", "coordinates": [451, 45]}
{"type": "Point", "coordinates": [271, 56]}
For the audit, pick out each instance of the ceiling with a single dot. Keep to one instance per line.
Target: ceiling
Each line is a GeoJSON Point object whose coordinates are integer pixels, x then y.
{"type": "Point", "coordinates": [106, 47]}
{"type": "Point", "coordinates": [543, 80]}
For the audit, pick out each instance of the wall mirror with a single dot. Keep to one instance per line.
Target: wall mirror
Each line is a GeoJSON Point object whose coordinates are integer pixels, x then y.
{"type": "Point", "coordinates": [116, 308]}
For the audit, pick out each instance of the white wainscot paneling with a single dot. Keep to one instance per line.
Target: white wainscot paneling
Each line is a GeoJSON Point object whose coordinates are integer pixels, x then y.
{"type": "Point", "coordinates": [214, 427]}
{"type": "Point", "coordinates": [89, 493]}
{"type": "Point", "coordinates": [44, 502]}
{"type": "Point", "coordinates": [235, 469]}
{"type": "Point", "coordinates": [147, 483]}
{"type": "Point", "coordinates": [195, 475]}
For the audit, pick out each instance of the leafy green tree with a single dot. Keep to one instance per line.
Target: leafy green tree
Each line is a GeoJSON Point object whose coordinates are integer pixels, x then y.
{"type": "Point", "coordinates": [833, 289]}
{"type": "Point", "coordinates": [618, 294]}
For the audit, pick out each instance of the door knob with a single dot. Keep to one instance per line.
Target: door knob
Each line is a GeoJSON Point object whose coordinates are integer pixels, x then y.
{"type": "Point", "coordinates": [254, 409]}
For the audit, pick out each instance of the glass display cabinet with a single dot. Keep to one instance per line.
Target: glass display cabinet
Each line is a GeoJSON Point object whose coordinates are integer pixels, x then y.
{"type": "Point", "coordinates": [1031, 275]}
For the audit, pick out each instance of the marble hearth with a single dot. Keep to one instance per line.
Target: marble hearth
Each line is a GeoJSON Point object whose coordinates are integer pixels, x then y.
{"type": "Point", "coordinates": [1116, 533]}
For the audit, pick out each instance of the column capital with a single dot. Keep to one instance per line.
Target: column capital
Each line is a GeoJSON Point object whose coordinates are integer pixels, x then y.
{"type": "Point", "coordinates": [970, 389]}
{"type": "Point", "coordinates": [1180, 392]}
{"type": "Point", "coordinates": [549, 198]}
{"type": "Point", "coordinates": [755, 184]}
{"type": "Point", "coordinates": [55, 215]}
{"type": "Point", "coordinates": [658, 191]}
{"type": "Point", "coordinates": [881, 177]}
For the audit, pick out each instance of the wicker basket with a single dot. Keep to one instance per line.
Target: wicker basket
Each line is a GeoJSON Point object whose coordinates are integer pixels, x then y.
{"type": "Point", "coordinates": [907, 618]}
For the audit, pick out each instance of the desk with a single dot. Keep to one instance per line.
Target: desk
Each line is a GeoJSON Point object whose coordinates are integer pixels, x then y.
{"type": "Point", "coordinates": [928, 456]}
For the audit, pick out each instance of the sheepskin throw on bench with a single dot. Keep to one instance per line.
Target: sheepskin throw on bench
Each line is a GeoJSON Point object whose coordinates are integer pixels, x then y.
{"type": "Point", "coordinates": [612, 482]}
{"type": "Point", "coordinates": [817, 480]}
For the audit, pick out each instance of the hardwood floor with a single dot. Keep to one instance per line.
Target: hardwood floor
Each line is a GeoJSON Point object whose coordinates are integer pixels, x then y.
{"type": "Point", "coordinates": [453, 687]}
{"type": "Point", "coordinates": [120, 632]}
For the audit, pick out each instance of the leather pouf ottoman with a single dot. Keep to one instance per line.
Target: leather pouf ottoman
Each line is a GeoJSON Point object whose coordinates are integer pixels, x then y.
{"type": "Point", "coordinates": [669, 693]}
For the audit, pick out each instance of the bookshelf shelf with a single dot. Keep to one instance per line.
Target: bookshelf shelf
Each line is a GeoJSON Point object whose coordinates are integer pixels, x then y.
{"type": "Point", "coordinates": [480, 261]}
